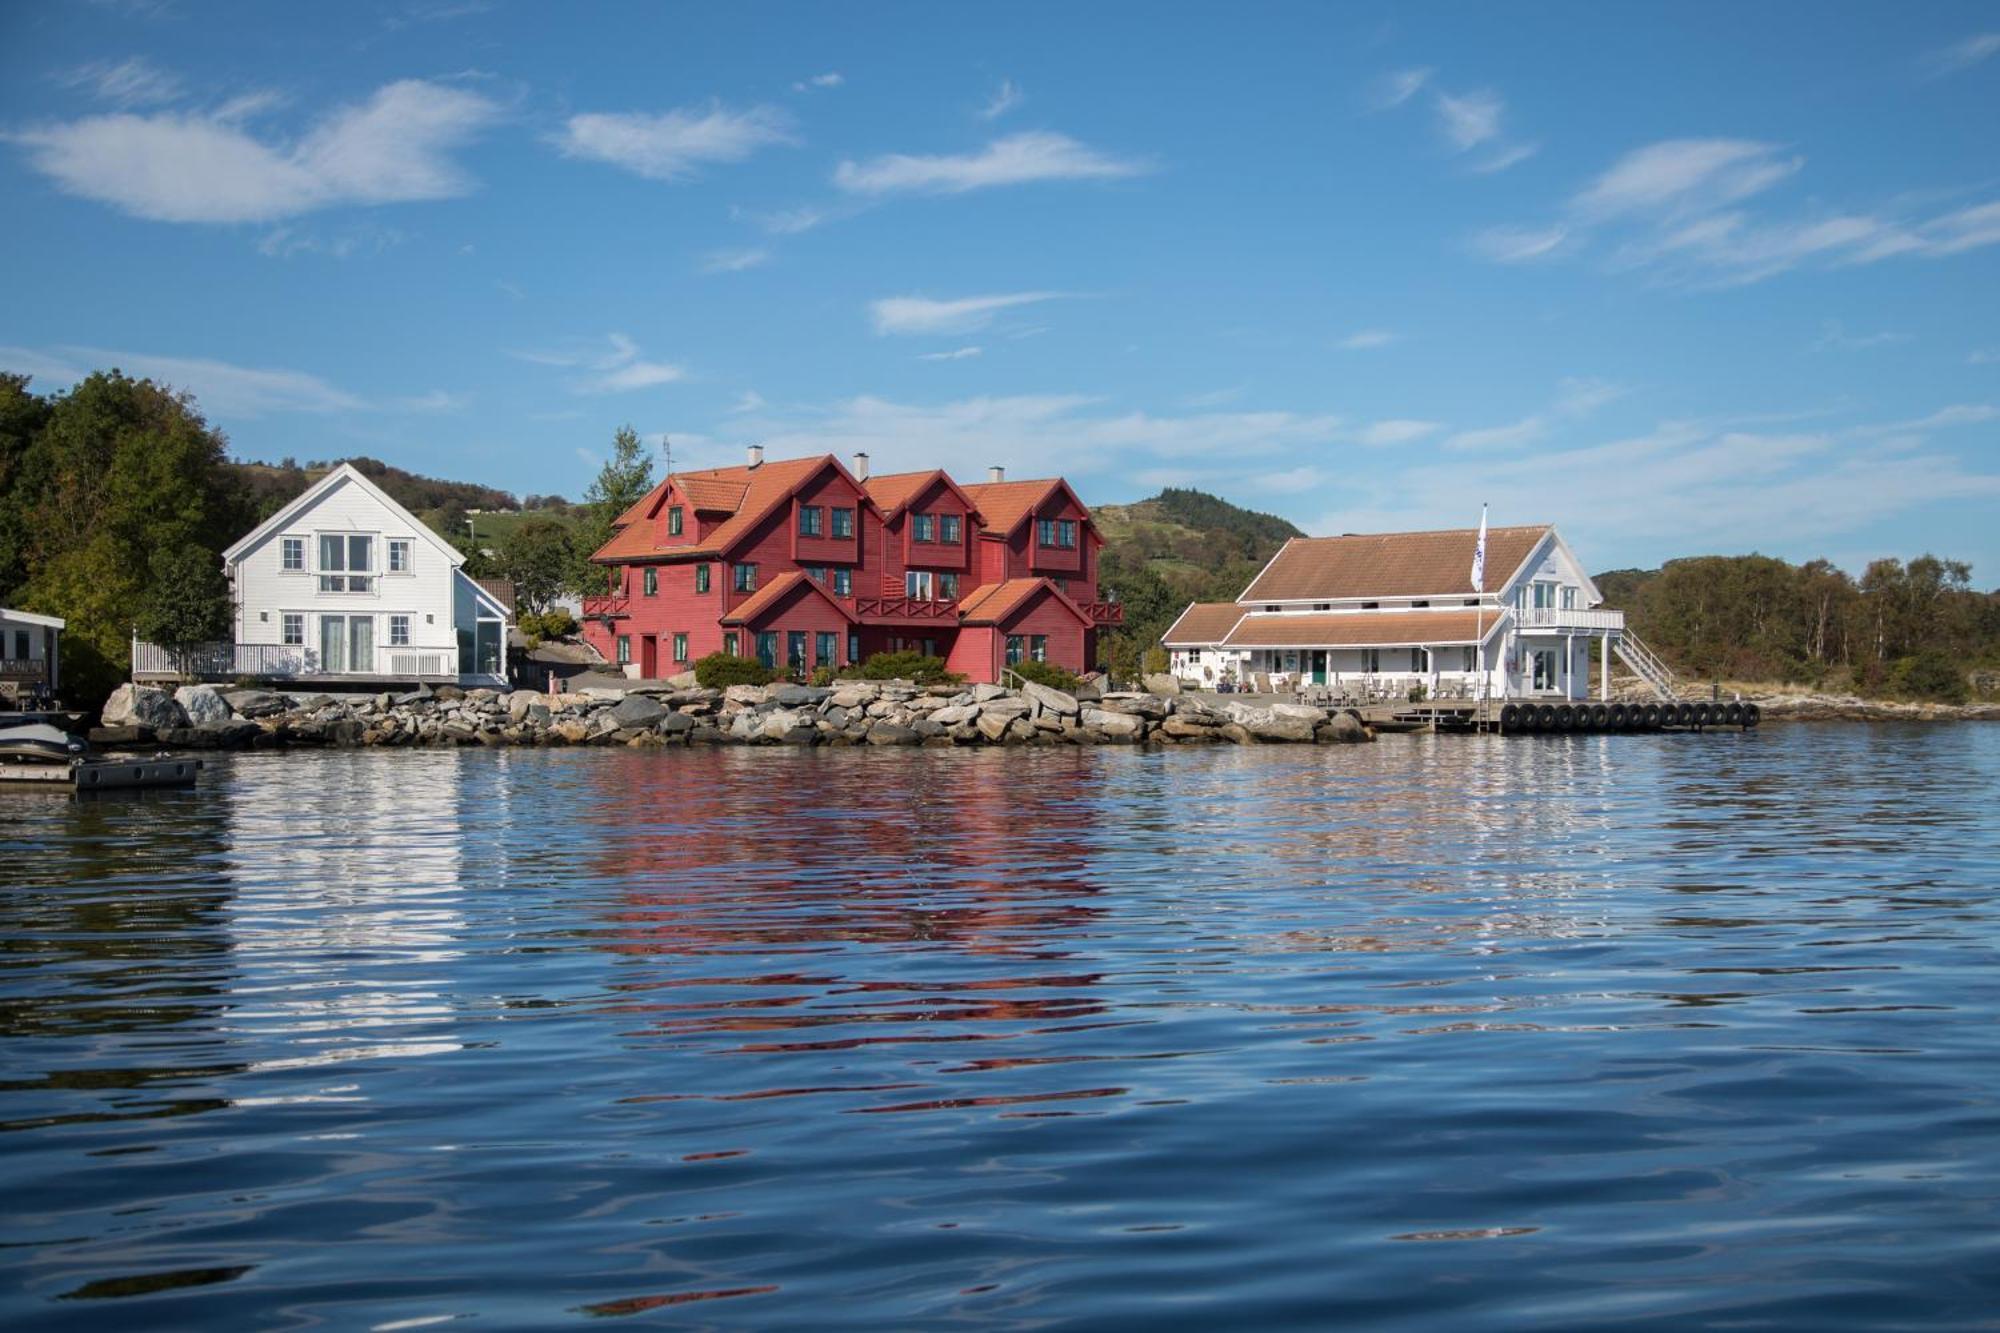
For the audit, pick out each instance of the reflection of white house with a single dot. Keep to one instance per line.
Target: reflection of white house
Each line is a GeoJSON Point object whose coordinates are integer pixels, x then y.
{"type": "Point", "coordinates": [344, 583]}
{"type": "Point", "coordinates": [29, 656]}
{"type": "Point", "coordinates": [1384, 613]}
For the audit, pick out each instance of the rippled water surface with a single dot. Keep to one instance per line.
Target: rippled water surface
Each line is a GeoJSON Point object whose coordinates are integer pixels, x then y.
{"type": "Point", "coordinates": [1568, 1032]}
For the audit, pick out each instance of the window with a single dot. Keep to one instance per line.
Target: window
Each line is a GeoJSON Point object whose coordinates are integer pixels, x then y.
{"type": "Point", "coordinates": [1013, 649]}
{"type": "Point", "coordinates": [810, 517]}
{"type": "Point", "coordinates": [1271, 608]}
{"type": "Point", "coordinates": [843, 522]}
{"type": "Point", "coordinates": [399, 555]}
{"type": "Point", "coordinates": [948, 529]}
{"type": "Point", "coordinates": [767, 648]}
{"type": "Point", "coordinates": [1045, 531]}
{"type": "Point", "coordinates": [675, 522]}
{"type": "Point", "coordinates": [918, 583]}
{"type": "Point", "coordinates": [1569, 598]}
{"type": "Point", "coordinates": [1322, 606]}
{"type": "Point", "coordinates": [1470, 659]}
{"type": "Point", "coordinates": [853, 646]}
{"type": "Point", "coordinates": [925, 529]}
{"type": "Point", "coordinates": [843, 583]}
{"type": "Point", "coordinates": [1371, 660]}
{"type": "Point", "coordinates": [292, 554]}
{"type": "Point", "coordinates": [1414, 605]}
{"type": "Point", "coordinates": [746, 578]}
{"type": "Point", "coordinates": [652, 580]}
{"type": "Point", "coordinates": [1417, 660]}
{"type": "Point", "coordinates": [295, 629]}
{"type": "Point", "coordinates": [825, 644]}
{"type": "Point", "coordinates": [1365, 606]}
{"type": "Point", "coordinates": [680, 647]}
{"type": "Point", "coordinates": [1038, 647]}
{"type": "Point", "coordinates": [795, 651]}
{"type": "Point", "coordinates": [948, 587]}
{"type": "Point", "coordinates": [701, 578]}
{"type": "Point", "coordinates": [730, 643]}
{"type": "Point", "coordinates": [345, 562]}
{"type": "Point", "coordinates": [23, 645]}
{"type": "Point", "coordinates": [1066, 533]}
{"type": "Point", "coordinates": [624, 649]}
{"type": "Point", "coordinates": [1470, 601]}
{"type": "Point", "coordinates": [1062, 584]}
{"type": "Point", "coordinates": [817, 573]}
{"type": "Point", "coordinates": [399, 631]}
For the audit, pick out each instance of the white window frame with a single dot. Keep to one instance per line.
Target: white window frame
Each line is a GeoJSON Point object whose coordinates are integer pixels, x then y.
{"type": "Point", "coordinates": [401, 553]}
{"type": "Point", "coordinates": [399, 631]}
{"type": "Point", "coordinates": [347, 576]}
{"type": "Point", "coordinates": [919, 585]}
{"type": "Point", "coordinates": [287, 622]}
{"type": "Point", "coordinates": [285, 547]}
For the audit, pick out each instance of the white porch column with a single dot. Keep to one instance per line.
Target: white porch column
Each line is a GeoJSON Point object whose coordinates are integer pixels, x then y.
{"type": "Point", "coordinates": [1604, 670]}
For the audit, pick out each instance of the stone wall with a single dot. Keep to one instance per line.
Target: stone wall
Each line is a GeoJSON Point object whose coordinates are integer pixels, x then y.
{"type": "Point", "coordinates": [848, 713]}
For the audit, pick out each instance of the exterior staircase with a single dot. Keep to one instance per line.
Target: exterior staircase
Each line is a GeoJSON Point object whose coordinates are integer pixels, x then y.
{"type": "Point", "coordinates": [1645, 664]}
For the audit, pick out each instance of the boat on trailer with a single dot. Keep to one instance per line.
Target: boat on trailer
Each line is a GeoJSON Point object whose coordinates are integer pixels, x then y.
{"type": "Point", "coordinates": [39, 755]}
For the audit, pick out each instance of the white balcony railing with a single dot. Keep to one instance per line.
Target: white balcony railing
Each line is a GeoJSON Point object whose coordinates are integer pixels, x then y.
{"type": "Point", "coordinates": [263, 661]}
{"type": "Point", "coordinates": [1570, 618]}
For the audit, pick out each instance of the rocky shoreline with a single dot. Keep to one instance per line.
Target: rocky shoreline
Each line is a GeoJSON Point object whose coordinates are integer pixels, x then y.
{"type": "Point", "coordinates": [1853, 708]}
{"type": "Point", "coordinates": [879, 713]}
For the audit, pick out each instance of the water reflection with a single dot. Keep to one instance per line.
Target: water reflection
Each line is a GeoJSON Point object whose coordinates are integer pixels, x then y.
{"type": "Point", "coordinates": [1626, 1028]}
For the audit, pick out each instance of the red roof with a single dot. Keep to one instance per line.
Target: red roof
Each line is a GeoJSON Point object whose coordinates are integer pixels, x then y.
{"type": "Point", "coordinates": [1389, 564]}
{"type": "Point", "coordinates": [747, 494]}
{"type": "Point", "coordinates": [774, 592]}
{"type": "Point", "coordinates": [1003, 504]}
{"type": "Point", "coordinates": [994, 603]}
{"type": "Point", "coordinates": [1203, 623]}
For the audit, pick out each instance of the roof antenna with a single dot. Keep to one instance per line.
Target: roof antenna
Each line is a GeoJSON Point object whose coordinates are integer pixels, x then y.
{"type": "Point", "coordinates": [667, 452]}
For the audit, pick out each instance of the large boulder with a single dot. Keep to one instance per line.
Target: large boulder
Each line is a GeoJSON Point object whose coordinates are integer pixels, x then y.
{"type": "Point", "coordinates": [1052, 700]}
{"type": "Point", "coordinates": [1274, 726]}
{"type": "Point", "coordinates": [1159, 682]}
{"type": "Point", "coordinates": [202, 704]}
{"type": "Point", "coordinates": [982, 693]}
{"type": "Point", "coordinates": [256, 703]}
{"type": "Point", "coordinates": [747, 694]}
{"type": "Point", "coordinates": [1117, 726]}
{"type": "Point", "coordinates": [953, 714]}
{"type": "Point", "coordinates": [888, 733]}
{"type": "Point", "coordinates": [993, 726]}
{"type": "Point", "coordinates": [685, 680]}
{"type": "Point", "coordinates": [798, 696]}
{"type": "Point", "coordinates": [1346, 728]}
{"type": "Point", "coordinates": [143, 706]}
{"type": "Point", "coordinates": [1005, 706]}
{"type": "Point", "coordinates": [635, 711]}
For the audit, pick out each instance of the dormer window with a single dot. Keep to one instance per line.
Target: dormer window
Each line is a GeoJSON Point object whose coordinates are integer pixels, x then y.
{"type": "Point", "coordinates": [1417, 605]}
{"type": "Point", "coordinates": [948, 529]}
{"type": "Point", "coordinates": [843, 522]}
{"type": "Point", "coordinates": [1371, 606]}
{"type": "Point", "coordinates": [811, 517]}
{"type": "Point", "coordinates": [1322, 606]}
{"type": "Point", "coordinates": [674, 521]}
{"type": "Point", "coordinates": [924, 528]}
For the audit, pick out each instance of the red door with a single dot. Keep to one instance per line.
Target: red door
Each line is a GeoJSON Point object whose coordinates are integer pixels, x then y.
{"type": "Point", "coordinates": [649, 656]}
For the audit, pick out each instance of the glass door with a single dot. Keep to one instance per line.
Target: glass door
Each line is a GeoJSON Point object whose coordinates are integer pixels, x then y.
{"type": "Point", "coordinates": [333, 644]}
{"type": "Point", "coordinates": [361, 644]}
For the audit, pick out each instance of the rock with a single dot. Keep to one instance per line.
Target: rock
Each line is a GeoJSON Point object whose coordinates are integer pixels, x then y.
{"type": "Point", "coordinates": [142, 706]}
{"type": "Point", "coordinates": [798, 696]}
{"type": "Point", "coordinates": [1162, 684]}
{"type": "Point", "coordinates": [1137, 705]}
{"type": "Point", "coordinates": [1235, 734]}
{"type": "Point", "coordinates": [1346, 728]}
{"type": "Point", "coordinates": [851, 697]}
{"type": "Point", "coordinates": [685, 680]}
{"type": "Point", "coordinates": [594, 694]}
{"type": "Point", "coordinates": [1005, 706]}
{"type": "Point", "coordinates": [1054, 700]}
{"type": "Point", "coordinates": [993, 726]}
{"type": "Point", "coordinates": [1305, 712]}
{"type": "Point", "coordinates": [676, 724]}
{"type": "Point", "coordinates": [1120, 726]}
{"type": "Point", "coordinates": [571, 730]}
{"type": "Point", "coordinates": [983, 693]}
{"type": "Point", "coordinates": [953, 714]}
{"type": "Point", "coordinates": [346, 734]}
{"type": "Point", "coordinates": [1272, 726]}
{"type": "Point", "coordinates": [416, 696]}
{"type": "Point", "coordinates": [1089, 691]}
{"type": "Point", "coordinates": [441, 692]}
{"type": "Point", "coordinates": [256, 703]}
{"type": "Point", "coordinates": [928, 727]}
{"type": "Point", "coordinates": [520, 701]}
{"type": "Point", "coordinates": [202, 704]}
{"type": "Point", "coordinates": [888, 733]}
{"type": "Point", "coordinates": [118, 737]}
{"type": "Point", "coordinates": [638, 710]}
{"type": "Point", "coordinates": [231, 734]}
{"type": "Point", "coordinates": [1189, 728]}
{"type": "Point", "coordinates": [747, 694]}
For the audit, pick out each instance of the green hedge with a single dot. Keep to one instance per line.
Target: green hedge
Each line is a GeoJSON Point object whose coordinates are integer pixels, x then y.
{"type": "Point", "coordinates": [910, 666]}
{"type": "Point", "coordinates": [1042, 673]}
{"type": "Point", "coordinates": [719, 671]}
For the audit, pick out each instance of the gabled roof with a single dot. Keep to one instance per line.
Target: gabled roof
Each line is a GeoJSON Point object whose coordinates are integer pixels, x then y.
{"type": "Point", "coordinates": [1362, 629]}
{"type": "Point", "coordinates": [775, 592]}
{"type": "Point", "coordinates": [345, 474]}
{"type": "Point", "coordinates": [752, 493]}
{"type": "Point", "coordinates": [1005, 505]}
{"type": "Point", "coordinates": [1391, 564]}
{"type": "Point", "coordinates": [1203, 623]}
{"type": "Point", "coordinates": [500, 590]}
{"type": "Point", "coordinates": [994, 603]}
{"type": "Point", "coordinates": [30, 618]}
{"type": "Point", "coordinates": [893, 492]}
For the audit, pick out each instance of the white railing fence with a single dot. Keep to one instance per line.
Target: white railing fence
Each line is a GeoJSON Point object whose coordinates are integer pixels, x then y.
{"type": "Point", "coordinates": [1555, 617]}
{"type": "Point", "coordinates": [227, 661]}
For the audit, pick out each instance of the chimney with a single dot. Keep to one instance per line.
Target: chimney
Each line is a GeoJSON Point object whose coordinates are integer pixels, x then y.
{"type": "Point", "coordinates": [861, 467]}
{"type": "Point", "coordinates": [996, 474]}
{"type": "Point", "coordinates": [756, 455]}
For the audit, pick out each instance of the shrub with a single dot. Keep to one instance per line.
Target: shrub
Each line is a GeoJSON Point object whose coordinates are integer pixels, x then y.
{"type": "Point", "coordinates": [719, 671]}
{"type": "Point", "coordinates": [1042, 673]}
{"type": "Point", "coordinates": [911, 666]}
{"type": "Point", "coordinates": [555, 623]}
{"type": "Point", "coordinates": [822, 676]}
{"type": "Point", "coordinates": [1930, 675]}
{"type": "Point", "coordinates": [1155, 661]}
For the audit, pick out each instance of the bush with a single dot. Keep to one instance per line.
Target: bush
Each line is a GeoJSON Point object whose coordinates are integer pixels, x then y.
{"type": "Point", "coordinates": [911, 666]}
{"type": "Point", "coordinates": [555, 623]}
{"type": "Point", "coordinates": [1930, 675]}
{"type": "Point", "coordinates": [719, 671]}
{"type": "Point", "coordinates": [1042, 673]}
{"type": "Point", "coordinates": [1155, 661]}
{"type": "Point", "coordinates": [822, 676]}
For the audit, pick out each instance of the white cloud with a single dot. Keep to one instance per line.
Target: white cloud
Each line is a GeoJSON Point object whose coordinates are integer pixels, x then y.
{"type": "Point", "coordinates": [343, 243]}
{"type": "Point", "coordinates": [1393, 89]}
{"type": "Point", "coordinates": [1518, 245]}
{"type": "Point", "coordinates": [734, 261]}
{"type": "Point", "coordinates": [1965, 54]}
{"type": "Point", "coordinates": [1525, 431]}
{"type": "Point", "coordinates": [1468, 121]}
{"type": "Point", "coordinates": [169, 167]}
{"type": "Point", "coordinates": [1685, 176]}
{"type": "Point", "coordinates": [1018, 159]}
{"type": "Point", "coordinates": [792, 221]}
{"type": "Point", "coordinates": [1983, 356]}
{"type": "Point", "coordinates": [674, 144]}
{"type": "Point", "coordinates": [1383, 433]}
{"type": "Point", "coordinates": [1288, 482]}
{"type": "Point", "coordinates": [830, 79]}
{"type": "Point", "coordinates": [1958, 414]}
{"type": "Point", "coordinates": [134, 81]}
{"type": "Point", "coordinates": [437, 400]}
{"type": "Point", "coordinates": [1363, 339]}
{"type": "Point", "coordinates": [751, 401]}
{"type": "Point", "coordinates": [1575, 399]}
{"type": "Point", "coordinates": [1005, 98]}
{"type": "Point", "coordinates": [956, 354]}
{"type": "Point", "coordinates": [1504, 156]}
{"type": "Point", "coordinates": [615, 366]}
{"type": "Point", "coordinates": [920, 314]}
{"type": "Point", "coordinates": [221, 388]}
{"type": "Point", "coordinates": [1834, 334]}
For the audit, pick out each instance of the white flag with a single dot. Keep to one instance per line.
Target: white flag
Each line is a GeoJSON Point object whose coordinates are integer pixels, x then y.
{"type": "Point", "coordinates": [1479, 555]}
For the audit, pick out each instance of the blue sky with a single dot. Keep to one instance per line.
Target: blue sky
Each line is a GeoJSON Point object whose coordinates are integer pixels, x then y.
{"type": "Point", "coordinates": [1681, 279]}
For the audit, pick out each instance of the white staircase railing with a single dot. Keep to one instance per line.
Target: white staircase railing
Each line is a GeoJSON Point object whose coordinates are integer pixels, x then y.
{"type": "Point", "coordinates": [1645, 664]}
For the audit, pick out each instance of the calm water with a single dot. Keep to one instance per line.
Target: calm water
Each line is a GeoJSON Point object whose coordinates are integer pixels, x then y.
{"type": "Point", "coordinates": [1443, 1033]}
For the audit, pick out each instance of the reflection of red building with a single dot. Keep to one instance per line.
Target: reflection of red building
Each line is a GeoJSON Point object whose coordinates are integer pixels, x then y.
{"type": "Point", "coordinates": [804, 563]}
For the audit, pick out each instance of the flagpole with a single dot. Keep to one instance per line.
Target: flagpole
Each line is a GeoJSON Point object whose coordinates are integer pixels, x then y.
{"type": "Point", "coordinates": [1479, 615]}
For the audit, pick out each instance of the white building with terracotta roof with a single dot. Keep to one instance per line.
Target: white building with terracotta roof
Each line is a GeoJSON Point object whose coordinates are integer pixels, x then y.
{"type": "Point", "coordinates": [1380, 615]}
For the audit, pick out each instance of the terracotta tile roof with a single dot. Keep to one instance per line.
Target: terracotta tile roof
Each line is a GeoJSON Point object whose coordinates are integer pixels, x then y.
{"type": "Point", "coordinates": [892, 492]}
{"type": "Point", "coordinates": [1390, 564]}
{"type": "Point", "coordinates": [500, 590]}
{"type": "Point", "coordinates": [993, 603]}
{"type": "Point", "coordinates": [764, 489]}
{"type": "Point", "coordinates": [1003, 504]}
{"type": "Point", "coordinates": [1360, 629]}
{"type": "Point", "coordinates": [774, 592]}
{"type": "Point", "coordinates": [1203, 623]}
{"type": "Point", "coordinates": [715, 495]}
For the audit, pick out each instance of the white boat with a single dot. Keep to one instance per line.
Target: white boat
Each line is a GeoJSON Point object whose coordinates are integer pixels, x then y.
{"type": "Point", "coordinates": [39, 755]}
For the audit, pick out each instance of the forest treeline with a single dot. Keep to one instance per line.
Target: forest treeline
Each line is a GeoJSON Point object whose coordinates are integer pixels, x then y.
{"type": "Point", "coordinates": [1916, 630]}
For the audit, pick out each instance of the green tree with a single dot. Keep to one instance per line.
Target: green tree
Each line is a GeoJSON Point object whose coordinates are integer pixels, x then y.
{"type": "Point", "coordinates": [186, 597]}
{"type": "Point", "coordinates": [622, 482]}
{"type": "Point", "coordinates": [538, 556]}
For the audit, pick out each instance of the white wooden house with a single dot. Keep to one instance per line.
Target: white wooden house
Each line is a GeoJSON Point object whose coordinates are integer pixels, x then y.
{"type": "Point", "coordinates": [30, 656]}
{"type": "Point", "coordinates": [344, 585]}
{"type": "Point", "coordinates": [1383, 614]}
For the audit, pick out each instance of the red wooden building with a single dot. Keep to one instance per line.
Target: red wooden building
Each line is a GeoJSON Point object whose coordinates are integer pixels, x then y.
{"type": "Point", "coordinates": [805, 563]}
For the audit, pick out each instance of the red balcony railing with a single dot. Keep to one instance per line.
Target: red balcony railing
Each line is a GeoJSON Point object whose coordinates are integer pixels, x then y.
{"type": "Point", "coordinates": [606, 608]}
{"type": "Point", "coordinates": [1103, 613]}
{"type": "Point", "coordinates": [905, 608]}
